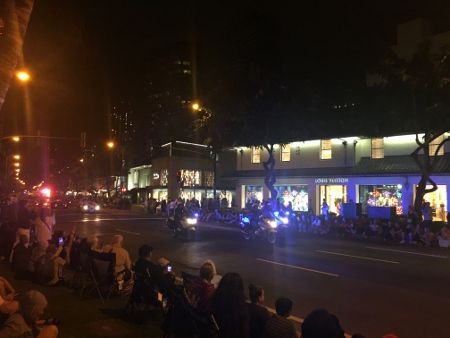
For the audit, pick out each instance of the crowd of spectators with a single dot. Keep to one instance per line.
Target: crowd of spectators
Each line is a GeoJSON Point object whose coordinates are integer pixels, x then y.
{"type": "Point", "coordinates": [202, 305]}
{"type": "Point", "coordinates": [412, 228]}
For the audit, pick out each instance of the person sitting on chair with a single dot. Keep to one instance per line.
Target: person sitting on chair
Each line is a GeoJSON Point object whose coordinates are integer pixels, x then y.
{"type": "Point", "coordinates": [123, 261]}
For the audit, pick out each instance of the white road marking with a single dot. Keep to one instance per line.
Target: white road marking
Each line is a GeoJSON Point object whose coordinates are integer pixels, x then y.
{"type": "Point", "coordinates": [97, 219]}
{"type": "Point", "coordinates": [299, 267]}
{"type": "Point", "coordinates": [358, 257]}
{"type": "Point", "coordinates": [128, 232]}
{"type": "Point", "coordinates": [406, 252]}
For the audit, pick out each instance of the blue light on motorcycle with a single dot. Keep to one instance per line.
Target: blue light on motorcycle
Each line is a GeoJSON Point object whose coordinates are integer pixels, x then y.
{"type": "Point", "coordinates": [284, 220]}
{"type": "Point", "coordinates": [276, 213]}
{"type": "Point", "coordinates": [195, 215]}
{"type": "Point", "coordinates": [245, 220]}
{"type": "Point", "coordinates": [287, 213]}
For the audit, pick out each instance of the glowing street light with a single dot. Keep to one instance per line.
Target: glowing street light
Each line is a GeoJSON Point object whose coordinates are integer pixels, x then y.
{"type": "Point", "coordinates": [15, 138]}
{"type": "Point", "coordinates": [81, 160]}
{"type": "Point", "coordinates": [17, 164]}
{"type": "Point", "coordinates": [110, 144]}
{"type": "Point", "coordinates": [16, 157]}
{"type": "Point", "coordinates": [23, 76]}
{"type": "Point", "coordinates": [195, 106]}
{"type": "Point", "coordinates": [17, 170]}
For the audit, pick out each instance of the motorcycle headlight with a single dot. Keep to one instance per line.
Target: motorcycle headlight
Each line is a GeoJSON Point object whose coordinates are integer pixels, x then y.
{"type": "Point", "coordinates": [272, 223]}
{"type": "Point", "coordinates": [191, 221]}
{"type": "Point", "coordinates": [97, 207]}
{"type": "Point", "coordinates": [85, 207]}
{"type": "Point", "coordinates": [284, 220]}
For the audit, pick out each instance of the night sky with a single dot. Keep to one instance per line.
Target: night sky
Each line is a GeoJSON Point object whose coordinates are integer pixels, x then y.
{"type": "Point", "coordinates": [87, 55]}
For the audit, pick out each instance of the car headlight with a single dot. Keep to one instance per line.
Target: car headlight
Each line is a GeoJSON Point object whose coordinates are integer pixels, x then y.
{"type": "Point", "coordinates": [191, 221]}
{"type": "Point", "coordinates": [284, 220]}
{"type": "Point", "coordinates": [97, 207]}
{"type": "Point", "coordinates": [85, 207]}
{"type": "Point", "coordinates": [272, 223]}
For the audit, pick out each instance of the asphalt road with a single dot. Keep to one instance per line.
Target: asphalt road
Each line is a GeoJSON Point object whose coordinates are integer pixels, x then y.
{"type": "Point", "coordinates": [373, 288]}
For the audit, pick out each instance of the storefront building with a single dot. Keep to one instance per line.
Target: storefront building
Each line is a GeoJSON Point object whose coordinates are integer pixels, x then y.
{"type": "Point", "coordinates": [184, 170]}
{"type": "Point", "coordinates": [371, 172]}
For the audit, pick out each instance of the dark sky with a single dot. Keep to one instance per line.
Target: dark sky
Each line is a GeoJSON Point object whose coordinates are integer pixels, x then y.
{"type": "Point", "coordinates": [85, 55]}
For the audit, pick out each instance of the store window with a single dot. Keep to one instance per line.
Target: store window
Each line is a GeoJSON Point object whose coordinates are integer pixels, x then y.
{"type": "Point", "coordinates": [253, 194]}
{"type": "Point", "coordinates": [381, 196]}
{"type": "Point", "coordinates": [256, 155]}
{"type": "Point", "coordinates": [286, 153]}
{"type": "Point", "coordinates": [208, 178]}
{"type": "Point", "coordinates": [191, 178]}
{"type": "Point", "coordinates": [325, 150]}
{"type": "Point", "coordinates": [434, 146]}
{"type": "Point", "coordinates": [335, 196]}
{"type": "Point", "coordinates": [164, 178]}
{"type": "Point", "coordinates": [377, 148]}
{"type": "Point", "coordinates": [296, 195]}
{"type": "Point", "coordinates": [438, 202]}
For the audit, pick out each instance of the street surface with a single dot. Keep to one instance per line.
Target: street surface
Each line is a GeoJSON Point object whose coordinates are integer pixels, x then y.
{"type": "Point", "coordinates": [373, 288]}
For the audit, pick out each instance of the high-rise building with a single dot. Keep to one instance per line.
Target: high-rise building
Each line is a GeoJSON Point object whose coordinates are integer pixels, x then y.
{"type": "Point", "coordinates": [122, 122]}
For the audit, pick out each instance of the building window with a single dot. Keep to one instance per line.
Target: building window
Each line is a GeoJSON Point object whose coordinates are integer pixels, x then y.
{"type": "Point", "coordinates": [325, 149]}
{"type": "Point", "coordinates": [434, 146]}
{"type": "Point", "coordinates": [256, 155]}
{"type": "Point", "coordinates": [286, 153]}
{"type": "Point", "coordinates": [377, 148]}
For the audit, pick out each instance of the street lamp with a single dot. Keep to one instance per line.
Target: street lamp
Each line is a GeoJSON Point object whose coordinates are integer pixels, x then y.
{"type": "Point", "coordinates": [15, 139]}
{"type": "Point", "coordinates": [17, 164]}
{"type": "Point", "coordinates": [16, 157]}
{"type": "Point", "coordinates": [195, 106]}
{"type": "Point", "coordinates": [23, 76]}
{"type": "Point", "coordinates": [81, 160]}
{"type": "Point", "coordinates": [110, 144]}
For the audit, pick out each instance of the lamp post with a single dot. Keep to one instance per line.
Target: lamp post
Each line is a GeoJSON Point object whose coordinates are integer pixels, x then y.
{"type": "Point", "coordinates": [207, 114]}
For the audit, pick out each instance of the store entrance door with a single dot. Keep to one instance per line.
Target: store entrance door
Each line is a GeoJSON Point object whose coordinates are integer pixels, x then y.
{"type": "Point", "coordinates": [334, 195]}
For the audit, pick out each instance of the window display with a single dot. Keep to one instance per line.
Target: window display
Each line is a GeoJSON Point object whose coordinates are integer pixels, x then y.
{"type": "Point", "coordinates": [297, 195]}
{"type": "Point", "coordinates": [160, 194]}
{"type": "Point", "coordinates": [253, 194]}
{"type": "Point", "coordinates": [438, 202]}
{"type": "Point", "coordinates": [164, 178]}
{"type": "Point", "coordinates": [208, 178]}
{"type": "Point", "coordinates": [381, 196]}
{"type": "Point", "coordinates": [334, 195]}
{"type": "Point", "coordinates": [191, 178]}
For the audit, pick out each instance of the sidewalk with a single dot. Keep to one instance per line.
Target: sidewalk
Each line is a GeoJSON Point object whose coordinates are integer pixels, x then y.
{"type": "Point", "coordinates": [86, 318]}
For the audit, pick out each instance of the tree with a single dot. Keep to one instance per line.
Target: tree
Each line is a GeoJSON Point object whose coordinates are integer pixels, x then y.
{"type": "Point", "coordinates": [415, 96]}
{"type": "Point", "coordinates": [15, 14]}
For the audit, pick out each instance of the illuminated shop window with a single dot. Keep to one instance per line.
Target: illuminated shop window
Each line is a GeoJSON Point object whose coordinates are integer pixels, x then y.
{"type": "Point", "coordinates": [286, 153]}
{"type": "Point", "coordinates": [191, 177]}
{"type": "Point", "coordinates": [256, 155]}
{"type": "Point", "coordinates": [434, 146]}
{"type": "Point", "coordinates": [325, 149]}
{"type": "Point", "coordinates": [164, 179]}
{"type": "Point", "coordinates": [208, 178]}
{"type": "Point", "coordinates": [377, 148]}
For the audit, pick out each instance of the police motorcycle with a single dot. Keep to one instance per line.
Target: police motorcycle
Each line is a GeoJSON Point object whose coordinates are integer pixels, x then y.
{"type": "Point", "coordinates": [182, 221]}
{"type": "Point", "coordinates": [260, 224]}
{"type": "Point", "coordinates": [286, 217]}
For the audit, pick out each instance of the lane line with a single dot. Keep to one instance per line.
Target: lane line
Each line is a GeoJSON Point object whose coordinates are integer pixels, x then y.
{"type": "Point", "coordinates": [298, 267]}
{"type": "Point", "coordinates": [128, 232]}
{"type": "Point", "coordinates": [109, 219]}
{"type": "Point", "coordinates": [357, 257]}
{"type": "Point", "coordinates": [406, 252]}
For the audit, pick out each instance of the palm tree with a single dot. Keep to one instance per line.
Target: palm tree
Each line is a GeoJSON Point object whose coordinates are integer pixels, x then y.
{"type": "Point", "coordinates": [14, 18]}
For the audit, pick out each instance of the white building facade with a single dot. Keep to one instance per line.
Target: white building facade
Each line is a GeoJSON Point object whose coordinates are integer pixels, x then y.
{"type": "Point", "coordinates": [371, 172]}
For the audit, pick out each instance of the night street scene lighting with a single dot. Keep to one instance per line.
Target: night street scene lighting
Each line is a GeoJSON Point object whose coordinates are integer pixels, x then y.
{"type": "Point", "coordinates": [187, 167]}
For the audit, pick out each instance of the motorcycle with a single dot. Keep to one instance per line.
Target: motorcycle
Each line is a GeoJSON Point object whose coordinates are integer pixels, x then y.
{"type": "Point", "coordinates": [184, 224]}
{"type": "Point", "coordinates": [259, 226]}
